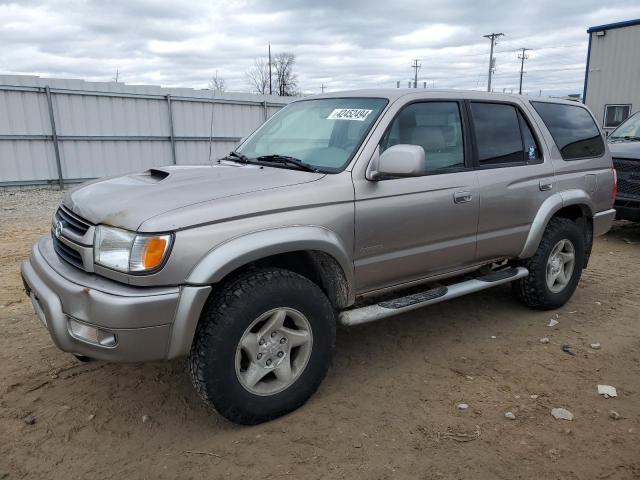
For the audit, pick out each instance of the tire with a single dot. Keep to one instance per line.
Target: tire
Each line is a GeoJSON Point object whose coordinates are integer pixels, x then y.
{"type": "Point", "coordinates": [534, 290]}
{"type": "Point", "coordinates": [217, 356]}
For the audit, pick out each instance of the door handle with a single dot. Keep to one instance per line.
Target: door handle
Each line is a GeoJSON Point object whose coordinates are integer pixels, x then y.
{"type": "Point", "coordinates": [462, 197]}
{"type": "Point", "coordinates": [545, 185]}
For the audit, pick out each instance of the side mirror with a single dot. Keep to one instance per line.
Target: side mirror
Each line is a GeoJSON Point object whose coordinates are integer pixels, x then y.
{"type": "Point", "coordinates": [398, 161]}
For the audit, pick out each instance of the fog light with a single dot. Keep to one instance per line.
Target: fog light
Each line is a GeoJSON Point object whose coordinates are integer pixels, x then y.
{"type": "Point", "coordinates": [90, 334]}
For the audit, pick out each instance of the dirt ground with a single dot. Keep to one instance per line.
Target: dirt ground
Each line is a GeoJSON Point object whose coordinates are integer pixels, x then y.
{"type": "Point", "coordinates": [387, 409]}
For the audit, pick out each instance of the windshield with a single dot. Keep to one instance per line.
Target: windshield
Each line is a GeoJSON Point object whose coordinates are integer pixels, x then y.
{"type": "Point", "coordinates": [630, 128]}
{"type": "Point", "coordinates": [322, 133]}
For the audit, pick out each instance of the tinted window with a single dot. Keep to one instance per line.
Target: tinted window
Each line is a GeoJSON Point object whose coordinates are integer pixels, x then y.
{"type": "Point", "coordinates": [497, 133]}
{"type": "Point", "coordinates": [573, 130]}
{"type": "Point", "coordinates": [436, 127]}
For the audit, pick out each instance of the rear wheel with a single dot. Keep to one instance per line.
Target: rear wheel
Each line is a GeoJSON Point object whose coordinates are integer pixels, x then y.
{"type": "Point", "coordinates": [263, 345]}
{"type": "Point", "coordinates": [556, 267]}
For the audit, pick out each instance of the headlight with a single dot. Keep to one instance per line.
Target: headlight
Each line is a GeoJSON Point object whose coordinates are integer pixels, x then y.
{"type": "Point", "coordinates": [129, 252]}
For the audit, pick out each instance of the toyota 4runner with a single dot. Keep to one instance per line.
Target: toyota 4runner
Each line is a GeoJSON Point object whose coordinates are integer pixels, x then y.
{"type": "Point", "coordinates": [342, 209]}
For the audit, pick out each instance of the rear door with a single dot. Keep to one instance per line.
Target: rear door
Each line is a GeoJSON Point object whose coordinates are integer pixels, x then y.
{"type": "Point", "coordinates": [515, 175]}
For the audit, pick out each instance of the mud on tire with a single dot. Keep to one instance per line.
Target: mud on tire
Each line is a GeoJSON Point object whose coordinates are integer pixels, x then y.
{"type": "Point", "coordinates": [533, 290]}
{"type": "Point", "coordinates": [224, 322]}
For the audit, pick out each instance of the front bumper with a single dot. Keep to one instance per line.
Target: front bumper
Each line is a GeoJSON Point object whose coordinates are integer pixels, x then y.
{"type": "Point", "coordinates": [140, 323]}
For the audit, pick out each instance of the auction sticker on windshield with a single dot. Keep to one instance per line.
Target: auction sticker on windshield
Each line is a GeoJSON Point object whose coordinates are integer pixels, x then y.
{"type": "Point", "coordinates": [359, 114]}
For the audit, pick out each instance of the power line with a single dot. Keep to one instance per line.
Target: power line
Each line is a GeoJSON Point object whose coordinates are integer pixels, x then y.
{"type": "Point", "coordinates": [492, 37]}
{"type": "Point", "coordinates": [538, 49]}
{"type": "Point", "coordinates": [523, 56]}
{"type": "Point", "coordinates": [537, 70]}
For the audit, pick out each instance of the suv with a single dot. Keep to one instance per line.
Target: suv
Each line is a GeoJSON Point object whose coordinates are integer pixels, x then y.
{"type": "Point", "coordinates": [342, 209]}
{"type": "Point", "coordinates": [624, 143]}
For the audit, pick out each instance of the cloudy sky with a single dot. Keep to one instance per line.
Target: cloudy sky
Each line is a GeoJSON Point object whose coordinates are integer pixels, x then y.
{"type": "Point", "coordinates": [341, 44]}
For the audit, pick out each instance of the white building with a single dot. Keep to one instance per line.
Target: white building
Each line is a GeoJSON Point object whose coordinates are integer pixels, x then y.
{"type": "Point", "coordinates": [612, 77]}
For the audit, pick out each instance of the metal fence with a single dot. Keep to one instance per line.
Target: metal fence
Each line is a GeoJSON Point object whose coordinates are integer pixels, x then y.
{"type": "Point", "coordinates": [66, 131]}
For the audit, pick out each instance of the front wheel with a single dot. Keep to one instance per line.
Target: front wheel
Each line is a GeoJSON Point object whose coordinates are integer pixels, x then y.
{"type": "Point", "coordinates": [263, 345]}
{"type": "Point", "coordinates": [556, 267]}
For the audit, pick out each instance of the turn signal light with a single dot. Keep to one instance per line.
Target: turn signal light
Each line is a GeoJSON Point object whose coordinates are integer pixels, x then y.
{"type": "Point", "coordinates": [154, 252]}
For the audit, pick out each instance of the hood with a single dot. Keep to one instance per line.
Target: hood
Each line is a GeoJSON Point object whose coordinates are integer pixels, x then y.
{"type": "Point", "coordinates": [625, 149]}
{"type": "Point", "coordinates": [129, 200]}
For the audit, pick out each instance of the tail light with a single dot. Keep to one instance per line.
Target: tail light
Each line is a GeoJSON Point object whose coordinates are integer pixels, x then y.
{"type": "Point", "coordinates": [614, 191]}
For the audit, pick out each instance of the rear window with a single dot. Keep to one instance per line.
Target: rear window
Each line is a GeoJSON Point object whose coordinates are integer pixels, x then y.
{"type": "Point", "coordinates": [573, 130]}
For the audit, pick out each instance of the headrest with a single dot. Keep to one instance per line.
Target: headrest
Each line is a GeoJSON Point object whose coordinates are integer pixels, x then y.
{"type": "Point", "coordinates": [430, 138]}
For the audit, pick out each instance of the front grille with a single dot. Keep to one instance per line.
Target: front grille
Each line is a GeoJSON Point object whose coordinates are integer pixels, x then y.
{"type": "Point", "coordinates": [67, 253]}
{"type": "Point", "coordinates": [72, 222]}
{"type": "Point", "coordinates": [628, 176]}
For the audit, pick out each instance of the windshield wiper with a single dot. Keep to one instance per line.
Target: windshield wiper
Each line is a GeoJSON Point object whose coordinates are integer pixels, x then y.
{"type": "Point", "coordinates": [285, 159]}
{"type": "Point", "coordinates": [632, 138]}
{"type": "Point", "coordinates": [237, 157]}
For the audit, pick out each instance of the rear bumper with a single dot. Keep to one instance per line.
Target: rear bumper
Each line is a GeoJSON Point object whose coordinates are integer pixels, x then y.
{"type": "Point", "coordinates": [89, 315]}
{"type": "Point", "coordinates": [602, 222]}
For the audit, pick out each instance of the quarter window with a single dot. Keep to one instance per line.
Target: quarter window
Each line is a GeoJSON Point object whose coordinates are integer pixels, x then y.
{"type": "Point", "coordinates": [436, 127]}
{"type": "Point", "coordinates": [499, 138]}
{"type": "Point", "coordinates": [573, 130]}
{"type": "Point", "coordinates": [531, 150]}
{"type": "Point", "coordinates": [614, 115]}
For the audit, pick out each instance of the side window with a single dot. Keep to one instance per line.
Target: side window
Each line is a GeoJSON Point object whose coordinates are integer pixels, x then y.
{"type": "Point", "coordinates": [573, 130]}
{"type": "Point", "coordinates": [531, 149]}
{"type": "Point", "coordinates": [497, 132]}
{"type": "Point", "coordinates": [436, 127]}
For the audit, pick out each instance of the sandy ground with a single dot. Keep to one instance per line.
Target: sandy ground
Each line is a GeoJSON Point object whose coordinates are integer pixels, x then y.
{"type": "Point", "coordinates": [386, 410]}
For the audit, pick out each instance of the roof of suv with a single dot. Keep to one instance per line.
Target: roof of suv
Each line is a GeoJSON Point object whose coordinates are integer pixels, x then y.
{"type": "Point", "coordinates": [395, 93]}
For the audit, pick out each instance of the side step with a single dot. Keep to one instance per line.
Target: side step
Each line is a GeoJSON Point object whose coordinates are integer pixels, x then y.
{"type": "Point", "coordinates": [400, 305]}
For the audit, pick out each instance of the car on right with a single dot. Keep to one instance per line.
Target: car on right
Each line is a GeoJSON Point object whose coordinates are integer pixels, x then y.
{"type": "Point", "coordinates": [624, 144]}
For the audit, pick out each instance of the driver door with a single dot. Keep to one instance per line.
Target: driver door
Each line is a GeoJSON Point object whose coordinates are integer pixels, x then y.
{"type": "Point", "coordinates": [407, 229]}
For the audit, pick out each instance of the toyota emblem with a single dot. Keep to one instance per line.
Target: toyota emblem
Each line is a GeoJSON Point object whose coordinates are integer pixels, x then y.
{"type": "Point", "coordinates": [58, 228]}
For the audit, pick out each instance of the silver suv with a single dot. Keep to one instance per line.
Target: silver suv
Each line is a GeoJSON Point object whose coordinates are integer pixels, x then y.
{"type": "Point", "coordinates": [341, 208]}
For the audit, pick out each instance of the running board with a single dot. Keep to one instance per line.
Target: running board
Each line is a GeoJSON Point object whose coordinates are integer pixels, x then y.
{"type": "Point", "coordinates": [400, 305]}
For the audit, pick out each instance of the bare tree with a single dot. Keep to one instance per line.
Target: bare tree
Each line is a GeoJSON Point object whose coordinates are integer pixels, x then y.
{"type": "Point", "coordinates": [217, 84]}
{"type": "Point", "coordinates": [258, 76]}
{"type": "Point", "coordinates": [285, 80]}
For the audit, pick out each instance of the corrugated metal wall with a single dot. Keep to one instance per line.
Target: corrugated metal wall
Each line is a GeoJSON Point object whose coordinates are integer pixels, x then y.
{"type": "Point", "coordinates": [110, 128]}
{"type": "Point", "coordinates": [614, 70]}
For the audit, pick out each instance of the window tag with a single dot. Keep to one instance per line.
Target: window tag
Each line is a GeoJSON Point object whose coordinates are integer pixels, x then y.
{"type": "Point", "coordinates": [358, 114]}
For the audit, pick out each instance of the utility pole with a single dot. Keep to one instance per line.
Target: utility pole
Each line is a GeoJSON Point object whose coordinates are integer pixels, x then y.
{"type": "Point", "coordinates": [416, 66]}
{"type": "Point", "coordinates": [492, 37]}
{"type": "Point", "coordinates": [270, 91]}
{"type": "Point", "coordinates": [322, 87]}
{"type": "Point", "coordinates": [522, 58]}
